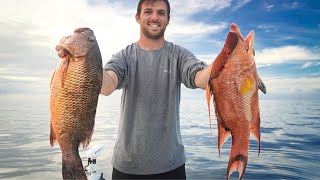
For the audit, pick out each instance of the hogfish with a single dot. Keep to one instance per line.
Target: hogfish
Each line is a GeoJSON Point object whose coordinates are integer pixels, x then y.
{"type": "Point", "coordinates": [234, 84]}
{"type": "Point", "coordinates": [74, 91]}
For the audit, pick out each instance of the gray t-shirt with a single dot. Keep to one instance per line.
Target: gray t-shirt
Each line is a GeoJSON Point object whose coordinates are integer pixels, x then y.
{"type": "Point", "coordinates": [149, 138]}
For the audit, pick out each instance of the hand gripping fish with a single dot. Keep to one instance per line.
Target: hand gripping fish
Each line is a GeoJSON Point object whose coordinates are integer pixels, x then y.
{"type": "Point", "coordinates": [74, 91]}
{"type": "Point", "coordinates": [234, 82]}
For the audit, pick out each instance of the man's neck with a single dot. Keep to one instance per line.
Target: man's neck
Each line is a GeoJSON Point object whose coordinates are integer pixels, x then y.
{"type": "Point", "coordinates": [151, 44]}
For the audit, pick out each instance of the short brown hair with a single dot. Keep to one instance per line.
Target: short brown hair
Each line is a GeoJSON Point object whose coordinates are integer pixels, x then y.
{"type": "Point", "coordinates": [151, 2]}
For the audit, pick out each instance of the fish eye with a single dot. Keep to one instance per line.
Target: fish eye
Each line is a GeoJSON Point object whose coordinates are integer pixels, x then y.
{"type": "Point", "coordinates": [91, 40]}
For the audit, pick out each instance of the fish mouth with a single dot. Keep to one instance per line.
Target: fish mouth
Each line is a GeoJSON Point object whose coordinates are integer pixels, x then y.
{"type": "Point", "coordinates": [79, 44]}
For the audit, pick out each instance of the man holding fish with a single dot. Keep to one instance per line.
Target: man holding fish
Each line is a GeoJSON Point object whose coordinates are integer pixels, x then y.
{"type": "Point", "coordinates": [150, 72]}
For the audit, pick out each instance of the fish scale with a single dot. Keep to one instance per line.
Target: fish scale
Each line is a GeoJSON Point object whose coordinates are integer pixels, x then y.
{"type": "Point", "coordinates": [234, 83]}
{"type": "Point", "coordinates": [74, 91]}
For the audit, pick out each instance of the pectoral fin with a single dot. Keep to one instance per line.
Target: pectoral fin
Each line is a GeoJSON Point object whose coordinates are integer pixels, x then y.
{"type": "Point", "coordinates": [261, 85]}
{"type": "Point", "coordinates": [53, 138]}
{"type": "Point", "coordinates": [255, 131]}
{"type": "Point", "coordinates": [208, 97]}
{"type": "Point", "coordinates": [223, 134]}
{"type": "Point", "coordinates": [61, 71]}
{"type": "Point", "coordinates": [52, 77]}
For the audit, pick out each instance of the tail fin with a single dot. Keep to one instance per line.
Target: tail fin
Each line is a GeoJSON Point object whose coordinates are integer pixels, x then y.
{"type": "Point", "coordinates": [237, 163]}
{"type": "Point", "coordinates": [255, 131]}
{"type": "Point", "coordinates": [72, 167]}
{"type": "Point", "coordinates": [239, 155]}
{"type": "Point", "coordinates": [53, 138]}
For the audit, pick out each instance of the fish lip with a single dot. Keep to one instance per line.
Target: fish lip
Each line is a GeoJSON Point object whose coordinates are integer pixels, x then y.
{"type": "Point", "coordinates": [71, 51]}
{"type": "Point", "coordinates": [65, 47]}
{"type": "Point", "coordinates": [68, 42]}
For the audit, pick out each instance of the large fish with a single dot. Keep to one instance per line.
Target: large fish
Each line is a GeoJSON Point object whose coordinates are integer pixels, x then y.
{"type": "Point", "coordinates": [234, 84]}
{"type": "Point", "coordinates": [74, 91]}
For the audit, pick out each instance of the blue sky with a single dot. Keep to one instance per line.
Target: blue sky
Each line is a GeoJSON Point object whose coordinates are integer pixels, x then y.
{"type": "Point", "coordinates": [287, 40]}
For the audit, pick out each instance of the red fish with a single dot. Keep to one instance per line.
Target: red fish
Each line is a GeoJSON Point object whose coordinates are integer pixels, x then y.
{"type": "Point", "coordinates": [74, 91]}
{"type": "Point", "coordinates": [234, 84]}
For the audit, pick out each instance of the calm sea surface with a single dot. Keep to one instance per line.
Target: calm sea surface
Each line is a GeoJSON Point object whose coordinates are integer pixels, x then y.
{"type": "Point", "coordinates": [290, 140]}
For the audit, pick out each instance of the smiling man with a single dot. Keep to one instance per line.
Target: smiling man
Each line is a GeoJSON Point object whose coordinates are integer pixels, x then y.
{"type": "Point", "coordinates": [151, 72]}
{"type": "Point", "coordinates": [153, 27]}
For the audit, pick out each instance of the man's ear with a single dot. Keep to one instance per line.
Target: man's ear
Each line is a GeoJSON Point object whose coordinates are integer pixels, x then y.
{"type": "Point", "coordinates": [137, 18]}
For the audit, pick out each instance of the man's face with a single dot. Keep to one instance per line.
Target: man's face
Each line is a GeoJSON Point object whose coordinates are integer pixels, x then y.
{"type": "Point", "coordinates": [153, 19]}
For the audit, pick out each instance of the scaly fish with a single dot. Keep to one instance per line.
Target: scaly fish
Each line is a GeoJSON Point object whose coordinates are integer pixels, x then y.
{"type": "Point", "coordinates": [234, 84]}
{"type": "Point", "coordinates": [74, 91]}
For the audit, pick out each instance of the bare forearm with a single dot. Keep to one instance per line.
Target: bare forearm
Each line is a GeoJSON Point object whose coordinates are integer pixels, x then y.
{"type": "Point", "coordinates": [202, 77]}
{"type": "Point", "coordinates": [109, 82]}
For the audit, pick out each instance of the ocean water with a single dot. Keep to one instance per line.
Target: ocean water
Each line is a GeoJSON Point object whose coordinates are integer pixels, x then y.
{"type": "Point", "coordinates": [290, 140]}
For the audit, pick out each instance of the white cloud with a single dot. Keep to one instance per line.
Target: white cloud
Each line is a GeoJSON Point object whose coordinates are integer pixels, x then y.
{"type": "Point", "coordinates": [292, 84]}
{"type": "Point", "coordinates": [267, 28]}
{"type": "Point", "coordinates": [263, 65]}
{"type": "Point", "coordinates": [23, 78]}
{"type": "Point", "coordinates": [183, 29]}
{"type": "Point", "coordinates": [194, 32]}
{"type": "Point", "coordinates": [32, 28]}
{"type": "Point", "coordinates": [208, 58]}
{"type": "Point", "coordinates": [45, 22]}
{"type": "Point", "coordinates": [47, 25]}
{"type": "Point", "coordinates": [292, 88]}
{"type": "Point", "coordinates": [306, 65]}
{"type": "Point", "coordinates": [189, 7]}
{"type": "Point", "coordinates": [291, 6]}
{"type": "Point", "coordinates": [240, 4]}
{"type": "Point", "coordinates": [286, 53]}
{"type": "Point", "coordinates": [196, 28]}
{"type": "Point", "coordinates": [269, 56]}
{"type": "Point", "coordinates": [269, 7]}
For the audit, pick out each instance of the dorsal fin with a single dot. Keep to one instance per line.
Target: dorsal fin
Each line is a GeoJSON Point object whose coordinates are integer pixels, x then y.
{"type": "Point", "coordinates": [249, 41]}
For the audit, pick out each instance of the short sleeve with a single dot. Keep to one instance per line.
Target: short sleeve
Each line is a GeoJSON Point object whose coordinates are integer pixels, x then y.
{"type": "Point", "coordinates": [189, 66]}
{"type": "Point", "coordinates": [118, 64]}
